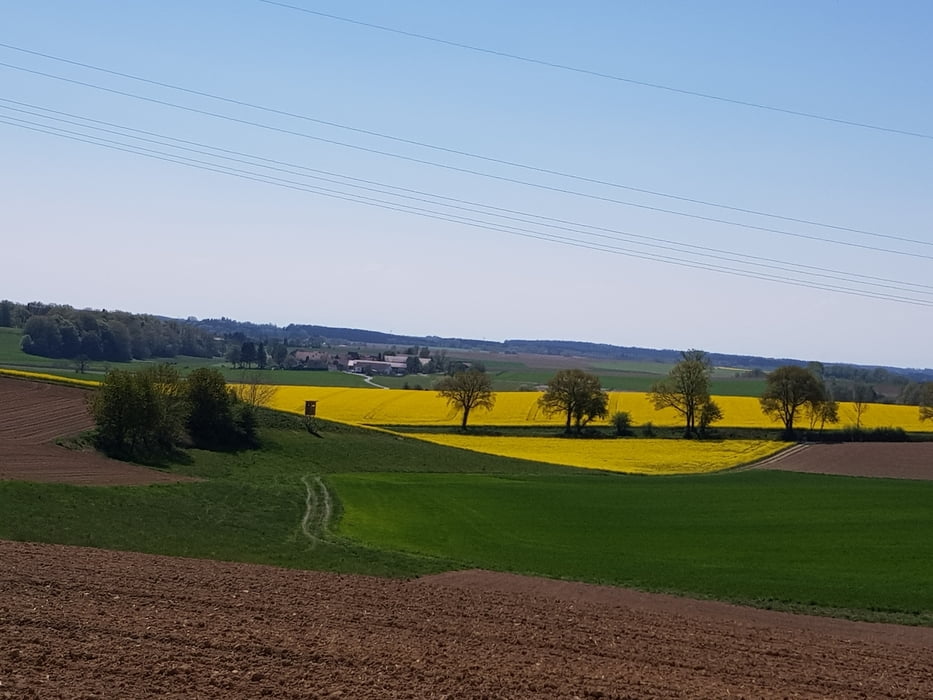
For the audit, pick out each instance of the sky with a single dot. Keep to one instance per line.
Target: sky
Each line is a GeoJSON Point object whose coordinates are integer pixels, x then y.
{"type": "Point", "coordinates": [630, 172]}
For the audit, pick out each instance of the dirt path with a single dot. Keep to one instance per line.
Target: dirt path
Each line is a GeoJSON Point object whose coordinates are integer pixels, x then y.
{"type": "Point", "coordinates": [315, 523]}
{"type": "Point", "coordinates": [84, 623]}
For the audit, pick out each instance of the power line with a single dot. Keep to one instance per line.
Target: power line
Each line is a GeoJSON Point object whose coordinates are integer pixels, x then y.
{"type": "Point", "coordinates": [469, 171]}
{"type": "Point", "coordinates": [453, 202]}
{"type": "Point", "coordinates": [599, 74]}
{"type": "Point", "coordinates": [369, 201]}
{"type": "Point", "coordinates": [458, 152]}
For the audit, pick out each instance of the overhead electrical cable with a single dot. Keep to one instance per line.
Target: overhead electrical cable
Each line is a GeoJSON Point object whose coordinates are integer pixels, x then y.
{"type": "Point", "coordinates": [603, 75]}
{"type": "Point", "coordinates": [444, 216]}
{"type": "Point", "coordinates": [458, 152]}
{"type": "Point", "coordinates": [469, 171]}
{"type": "Point", "coordinates": [473, 207]}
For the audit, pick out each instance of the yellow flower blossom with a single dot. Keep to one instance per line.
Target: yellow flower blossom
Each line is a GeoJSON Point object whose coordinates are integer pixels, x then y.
{"type": "Point", "coordinates": [640, 456]}
{"type": "Point", "coordinates": [520, 408]}
{"type": "Point", "coordinates": [48, 377]}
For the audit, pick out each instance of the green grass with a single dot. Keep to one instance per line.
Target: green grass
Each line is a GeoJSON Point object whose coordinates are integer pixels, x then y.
{"type": "Point", "coordinates": [856, 547]}
{"type": "Point", "coordinates": [249, 507]}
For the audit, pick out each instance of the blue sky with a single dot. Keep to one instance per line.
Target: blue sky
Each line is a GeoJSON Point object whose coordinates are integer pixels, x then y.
{"type": "Point", "coordinates": [91, 226]}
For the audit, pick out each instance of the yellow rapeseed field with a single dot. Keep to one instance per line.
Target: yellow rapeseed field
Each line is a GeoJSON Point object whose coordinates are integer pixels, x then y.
{"type": "Point", "coordinates": [401, 407]}
{"type": "Point", "coordinates": [48, 377]}
{"type": "Point", "coordinates": [639, 456]}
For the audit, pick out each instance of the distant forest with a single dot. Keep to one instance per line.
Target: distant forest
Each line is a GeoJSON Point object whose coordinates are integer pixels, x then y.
{"type": "Point", "coordinates": [59, 331]}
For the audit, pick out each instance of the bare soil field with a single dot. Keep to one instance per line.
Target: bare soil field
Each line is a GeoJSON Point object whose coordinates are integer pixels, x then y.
{"type": "Point", "coordinates": [85, 623]}
{"type": "Point", "coordinates": [32, 414]}
{"type": "Point", "coordinates": [893, 460]}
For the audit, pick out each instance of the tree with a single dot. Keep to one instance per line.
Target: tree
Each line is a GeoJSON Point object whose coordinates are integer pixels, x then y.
{"type": "Point", "coordinates": [248, 353]}
{"type": "Point", "coordinates": [210, 418]}
{"type": "Point", "coordinates": [577, 395]}
{"type": "Point", "coordinates": [467, 390]}
{"type": "Point", "coordinates": [821, 411]}
{"type": "Point", "coordinates": [787, 389]}
{"type": "Point", "coordinates": [413, 364]}
{"type": "Point", "coordinates": [862, 394]}
{"type": "Point", "coordinates": [262, 357]}
{"type": "Point", "coordinates": [253, 391]}
{"type": "Point", "coordinates": [622, 422]}
{"type": "Point", "coordinates": [6, 313]}
{"type": "Point", "coordinates": [926, 401]}
{"type": "Point", "coordinates": [140, 415]}
{"type": "Point", "coordinates": [686, 390]}
{"type": "Point", "coordinates": [710, 412]}
{"type": "Point", "coordinates": [233, 356]}
{"type": "Point", "coordinates": [279, 353]}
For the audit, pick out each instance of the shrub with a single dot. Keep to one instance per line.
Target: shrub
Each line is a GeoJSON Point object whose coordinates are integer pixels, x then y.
{"type": "Point", "coordinates": [622, 423]}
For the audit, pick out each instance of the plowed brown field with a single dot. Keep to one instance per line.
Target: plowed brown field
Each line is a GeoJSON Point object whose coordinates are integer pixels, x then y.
{"type": "Point", "coordinates": [85, 623]}
{"type": "Point", "coordinates": [894, 460]}
{"type": "Point", "coordinates": [32, 414]}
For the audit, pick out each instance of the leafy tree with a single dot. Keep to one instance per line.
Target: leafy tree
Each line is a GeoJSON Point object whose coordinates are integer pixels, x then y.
{"type": "Point", "coordinates": [622, 422]}
{"type": "Point", "coordinates": [467, 390]}
{"type": "Point", "coordinates": [6, 313]}
{"type": "Point", "coordinates": [821, 411]}
{"type": "Point", "coordinates": [788, 388]}
{"type": "Point", "coordinates": [248, 353]}
{"type": "Point", "coordinates": [210, 420]}
{"type": "Point", "coordinates": [279, 353]}
{"type": "Point", "coordinates": [42, 336]}
{"type": "Point", "coordinates": [577, 395]}
{"type": "Point", "coordinates": [261, 356]}
{"type": "Point", "coordinates": [686, 390]}
{"type": "Point", "coordinates": [140, 415]}
{"type": "Point", "coordinates": [710, 412]}
{"type": "Point", "coordinates": [233, 356]}
{"type": "Point", "coordinates": [413, 364]}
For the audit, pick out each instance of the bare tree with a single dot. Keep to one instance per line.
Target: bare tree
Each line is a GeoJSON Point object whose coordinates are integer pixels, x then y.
{"type": "Point", "coordinates": [466, 391]}
{"type": "Point", "coordinates": [862, 394]}
{"type": "Point", "coordinates": [253, 391]}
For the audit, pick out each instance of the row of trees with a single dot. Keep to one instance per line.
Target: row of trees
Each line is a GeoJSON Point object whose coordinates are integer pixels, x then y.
{"type": "Point", "coordinates": [150, 413]}
{"type": "Point", "coordinates": [572, 393]}
{"type": "Point", "coordinates": [63, 332]}
{"type": "Point", "coordinates": [791, 391]}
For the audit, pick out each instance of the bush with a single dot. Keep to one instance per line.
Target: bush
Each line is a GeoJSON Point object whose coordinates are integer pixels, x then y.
{"type": "Point", "coordinates": [885, 434]}
{"type": "Point", "coordinates": [140, 415]}
{"type": "Point", "coordinates": [647, 430]}
{"type": "Point", "coordinates": [622, 423]}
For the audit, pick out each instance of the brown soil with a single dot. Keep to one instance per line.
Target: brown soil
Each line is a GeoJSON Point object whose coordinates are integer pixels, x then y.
{"type": "Point", "coordinates": [32, 414]}
{"type": "Point", "coordinates": [85, 623]}
{"type": "Point", "coordinates": [894, 460]}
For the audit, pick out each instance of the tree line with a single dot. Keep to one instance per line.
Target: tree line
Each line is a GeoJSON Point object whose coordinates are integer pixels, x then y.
{"type": "Point", "coordinates": [792, 393]}
{"type": "Point", "coordinates": [62, 332]}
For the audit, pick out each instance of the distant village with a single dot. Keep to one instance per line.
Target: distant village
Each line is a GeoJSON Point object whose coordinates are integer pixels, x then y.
{"type": "Point", "coordinates": [378, 364]}
{"type": "Point", "coordinates": [414, 360]}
